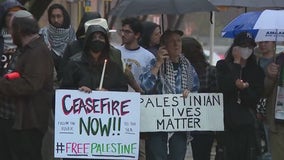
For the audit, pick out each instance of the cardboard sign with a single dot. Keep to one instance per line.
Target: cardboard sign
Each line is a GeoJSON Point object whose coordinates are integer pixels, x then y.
{"type": "Point", "coordinates": [99, 125]}
{"type": "Point", "coordinates": [173, 112]}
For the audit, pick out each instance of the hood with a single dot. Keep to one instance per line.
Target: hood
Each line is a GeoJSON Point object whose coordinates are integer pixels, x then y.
{"type": "Point", "coordinates": [148, 29]}
{"type": "Point", "coordinates": [10, 4]}
{"type": "Point", "coordinates": [4, 8]}
{"type": "Point", "coordinates": [86, 17]}
{"type": "Point", "coordinates": [91, 30]}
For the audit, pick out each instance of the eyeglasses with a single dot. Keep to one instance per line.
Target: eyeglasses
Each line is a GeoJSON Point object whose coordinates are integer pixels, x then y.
{"type": "Point", "coordinates": [125, 31]}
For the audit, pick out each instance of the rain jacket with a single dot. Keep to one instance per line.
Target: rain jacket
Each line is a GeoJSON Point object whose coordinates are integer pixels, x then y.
{"type": "Point", "coordinates": [81, 71]}
{"type": "Point", "coordinates": [75, 48]}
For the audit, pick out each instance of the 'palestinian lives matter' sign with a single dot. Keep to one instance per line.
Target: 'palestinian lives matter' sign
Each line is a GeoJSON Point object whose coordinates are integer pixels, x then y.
{"type": "Point", "coordinates": [172, 112]}
{"type": "Point", "coordinates": [99, 125]}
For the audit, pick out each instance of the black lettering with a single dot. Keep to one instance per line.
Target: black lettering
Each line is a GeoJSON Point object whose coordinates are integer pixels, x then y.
{"type": "Point", "coordinates": [161, 124]}
{"type": "Point", "coordinates": [175, 101]}
{"type": "Point", "coordinates": [149, 102]}
{"type": "Point", "coordinates": [197, 111]}
{"type": "Point", "coordinates": [196, 122]}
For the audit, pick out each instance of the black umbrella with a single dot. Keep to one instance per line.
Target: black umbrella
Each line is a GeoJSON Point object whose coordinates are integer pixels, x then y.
{"type": "Point", "coordinates": [128, 8]}
{"type": "Point", "coordinates": [249, 3]}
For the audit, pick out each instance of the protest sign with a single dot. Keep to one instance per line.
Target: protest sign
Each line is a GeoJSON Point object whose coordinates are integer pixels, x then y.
{"type": "Point", "coordinates": [173, 112]}
{"type": "Point", "coordinates": [98, 125]}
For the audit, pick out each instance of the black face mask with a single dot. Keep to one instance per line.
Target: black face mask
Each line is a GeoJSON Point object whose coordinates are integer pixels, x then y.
{"type": "Point", "coordinates": [97, 45]}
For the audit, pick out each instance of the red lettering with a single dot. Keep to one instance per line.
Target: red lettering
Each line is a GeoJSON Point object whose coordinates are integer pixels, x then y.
{"type": "Point", "coordinates": [95, 106]}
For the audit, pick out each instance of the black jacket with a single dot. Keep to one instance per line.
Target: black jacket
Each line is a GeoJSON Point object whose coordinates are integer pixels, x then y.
{"type": "Point", "coordinates": [79, 73]}
{"type": "Point", "coordinates": [236, 114]}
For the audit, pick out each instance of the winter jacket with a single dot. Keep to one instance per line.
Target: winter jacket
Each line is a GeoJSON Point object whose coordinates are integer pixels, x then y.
{"type": "Point", "coordinates": [84, 71]}
{"type": "Point", "coordinates": [235, 114]}
{"type": "Point", "coordinates": [33, 91]}
{"type": "Point", "coordinates": [79, 73]}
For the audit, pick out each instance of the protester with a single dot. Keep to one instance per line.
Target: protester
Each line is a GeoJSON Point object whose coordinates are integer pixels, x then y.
{"type": "Point", "coordinates": [266, 55]}
{"type": "Point", "coordinates": [170, 73]}
{"type": "Point", "coordinates": [241, 81]}
{"type": "Point", "coordinates": [273, 79]}
{"type": "Point", "coordinates": [202, 140]}
{"type": "Point", "coordinates": [8, 48]}
{"type": "Point", "coordinates": [150, 38]}
{"type": "Point", "coordinates": [85, 74]}
{"type": "Point", "coordinates": [136, 59]}
{"type": "Point", "coordinates": [74, 49]}
{"type": "Point", "coordinates": [58, 33]}
{"type": "Point", "coordinates": [30, 88]}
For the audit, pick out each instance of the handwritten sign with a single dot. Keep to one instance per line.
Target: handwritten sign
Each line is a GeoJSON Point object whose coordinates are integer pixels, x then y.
{"type": "Point", "coordinates": [173, 112]}
{"type": "Point", "coordinates": [99, 125]}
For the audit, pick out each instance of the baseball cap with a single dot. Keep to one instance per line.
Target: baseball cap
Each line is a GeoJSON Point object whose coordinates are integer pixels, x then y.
{"type": "Point", "coordinates": [95, 28]}
{"type": "Point", "coordinates": [168, 32]}
{"type": "Point", "coordinates": [99, 22]}
{"type": "Point", "coordinates": [244, 39]}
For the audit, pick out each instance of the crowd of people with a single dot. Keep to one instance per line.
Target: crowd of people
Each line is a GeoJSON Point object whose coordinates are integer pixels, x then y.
{"type": "Point", "coordinates": [35, 62]}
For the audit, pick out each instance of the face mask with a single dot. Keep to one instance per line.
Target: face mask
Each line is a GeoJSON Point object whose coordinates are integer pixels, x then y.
{"type": "Point", "coordinates": [245, 52]}
{"type": "Point", "coordinates": [97, 45]}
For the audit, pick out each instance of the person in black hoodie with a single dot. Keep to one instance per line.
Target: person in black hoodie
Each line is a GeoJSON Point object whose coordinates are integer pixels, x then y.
{"type": "Point", "coordinates": [241, 81]}
{"type": "Point", "coordinates": [85, 74]}
{"type": "Point", "coordinates": [74, 49]}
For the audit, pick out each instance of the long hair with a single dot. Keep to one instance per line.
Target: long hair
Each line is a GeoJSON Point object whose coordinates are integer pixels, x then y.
{"type": "Point", "coordinates": [66, 17]}
{"type": "Point", "coordinates": [193, 51]}
{"type": "Point", "coordinates": [148, 29]}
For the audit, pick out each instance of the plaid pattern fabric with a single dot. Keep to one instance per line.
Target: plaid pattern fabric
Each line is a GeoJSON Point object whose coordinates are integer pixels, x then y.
{"type": "Point", "coordinates": [176, 80]}
{"type": "Point", "coordinates": [152, 84]}
{"type": "Point", "coordinates": [207, 79]}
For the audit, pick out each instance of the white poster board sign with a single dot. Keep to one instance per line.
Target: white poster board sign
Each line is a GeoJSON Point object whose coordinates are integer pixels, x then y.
{"type": "Point", "coordinates": [173, 112]}
{"type": "Point", "coordinates": [99, 125]}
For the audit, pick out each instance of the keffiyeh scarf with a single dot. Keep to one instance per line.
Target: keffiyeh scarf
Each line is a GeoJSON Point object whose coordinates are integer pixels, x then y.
{"type": "Point", "coordinates": [167, 76]}
{"type": "Point", "coordinates": [58, 38]}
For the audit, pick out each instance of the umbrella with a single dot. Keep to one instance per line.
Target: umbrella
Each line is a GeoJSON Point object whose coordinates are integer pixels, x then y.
{"type": "Point", "coordinates": [249, 3]}
{"type": "Point", "coordinates": [127, 8]}
{"type": "Point", "coordinates": [267, 25]}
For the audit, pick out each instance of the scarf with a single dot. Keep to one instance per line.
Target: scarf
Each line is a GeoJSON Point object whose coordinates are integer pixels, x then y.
{"type": "Point", "coordinates": [59, 38]}
{"type": "Point", "coordinates": [168, 79]}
